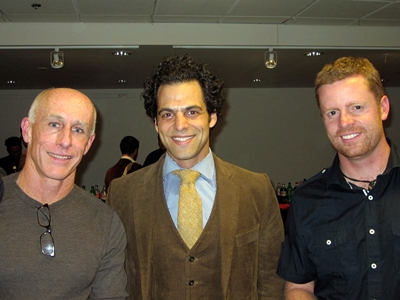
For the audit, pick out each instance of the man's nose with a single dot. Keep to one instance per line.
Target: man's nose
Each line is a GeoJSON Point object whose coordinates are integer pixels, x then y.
{"type": "Point", "coordinates": [64, 137]}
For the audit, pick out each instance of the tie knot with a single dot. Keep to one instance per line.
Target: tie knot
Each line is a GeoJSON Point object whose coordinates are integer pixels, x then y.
{"type": "Point", "coordinates": [187, 176]}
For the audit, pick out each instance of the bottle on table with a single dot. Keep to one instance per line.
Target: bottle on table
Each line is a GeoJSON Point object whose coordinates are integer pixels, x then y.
{"type": "Point", "coordinates": [103, 194]}
{"type": "Point", "coordinates": [92, 191]}
{"type": "Point", "coordinates": [97, 191]}
{"type": "Point", "coordinates": [278, 192]}
{"type": "Point", "coordinates": [283, 193]}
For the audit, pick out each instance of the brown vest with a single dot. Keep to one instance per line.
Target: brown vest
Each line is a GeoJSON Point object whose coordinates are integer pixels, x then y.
{"type": "Point", "coordinates": [182, 273]}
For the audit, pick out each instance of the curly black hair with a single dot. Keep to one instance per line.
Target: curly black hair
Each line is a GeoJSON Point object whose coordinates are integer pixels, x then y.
{"type": "Point", "coordinates": [180, 70]}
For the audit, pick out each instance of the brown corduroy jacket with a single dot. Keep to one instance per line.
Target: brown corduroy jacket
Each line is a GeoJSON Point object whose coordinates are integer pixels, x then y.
{"type": "Point", "coordinates": [250, 224]}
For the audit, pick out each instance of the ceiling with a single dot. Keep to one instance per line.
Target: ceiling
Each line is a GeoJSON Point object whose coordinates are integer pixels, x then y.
{"type": "Point", "coordinates": [98, 68]}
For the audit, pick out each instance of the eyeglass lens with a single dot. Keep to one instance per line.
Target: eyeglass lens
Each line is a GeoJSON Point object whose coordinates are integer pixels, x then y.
{"type": "Point", "coordinates": [46, 239]}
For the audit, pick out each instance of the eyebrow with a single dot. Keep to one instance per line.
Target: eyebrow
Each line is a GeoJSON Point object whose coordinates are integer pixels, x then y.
{"type": "Point", "coordinates": [61, 118]}
{"type": "Point", "coordinates": [183, 109]}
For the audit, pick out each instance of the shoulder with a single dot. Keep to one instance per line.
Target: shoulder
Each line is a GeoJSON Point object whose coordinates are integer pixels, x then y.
{"type": "Point", "coordinates": [237, 173]}
{"type": "Point", "coordinates": [140, 177]}
{"type": "Point", "coordinates": [86, 201]}
{"type": "Point", "coordinates": [248, 185]}
{"type": "Point", "coordinates": [4, 158]}
{"type": "Point", "coordinates": [316, 184]}
{"type": "Point", "coordinates": [92, 208]}
{"type": "Point", "coordinates": [133, 167]}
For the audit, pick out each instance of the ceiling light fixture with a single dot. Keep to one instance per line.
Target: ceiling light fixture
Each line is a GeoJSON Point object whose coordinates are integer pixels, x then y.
{"type": "Point", "coordinates": [257, 80]}
{"type": "Point", "coordinates": [121, 81]}
{"type": "Point", "coordinates": [56, 59]}
{"type": "Point", "coordinates": [36, 5]}
{"type": "Point", "coordinates": [270, 59]}
{"type": "Point", "coordinates": [11, 82]}
{"type": "Point", "coordinates": [121, 53]}
{"type": "Point", "coordinates": [313, 53]}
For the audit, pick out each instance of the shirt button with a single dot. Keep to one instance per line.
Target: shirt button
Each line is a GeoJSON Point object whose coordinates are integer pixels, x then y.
{"type": "Point", "coordinates": [191, 282]}
{"type": "Point", "coordinates": [373, 266]}
{"type": "Point", "coordinates": [191, 259]}
{"type": "Point", "coordinates": [328, 242]}
{"type": "Point", "coordinates": [370, 197]}
{"type": "Point", "coordinates": [371, 231]}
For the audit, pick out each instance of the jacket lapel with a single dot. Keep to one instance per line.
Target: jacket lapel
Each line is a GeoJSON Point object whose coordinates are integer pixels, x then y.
{"type": "Point", "coordinates": [228, 207]}
{"type": "Point", "coordinates": [144, 222]}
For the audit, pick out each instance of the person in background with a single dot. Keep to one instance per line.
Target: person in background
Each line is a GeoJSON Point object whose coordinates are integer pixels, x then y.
{"type": "Point", "coordinates": [2, 172]}
{"type": "Point", "coordinates": [56, 240]}
{"type": "Point", "coordinates": [343, 229]}
{"type": "Point", "coordinates": [10, 162]}
{"type": "Point", "coordinates": [129, 147]}
{"type": "Point", "coordinates": [155, 155]}
{"type": "Point", "coordinates": [228, 247]}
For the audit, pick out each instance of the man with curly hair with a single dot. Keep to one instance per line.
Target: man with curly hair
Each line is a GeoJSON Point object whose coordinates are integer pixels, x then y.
{"type": "Point", "coordinates": [233, 252]}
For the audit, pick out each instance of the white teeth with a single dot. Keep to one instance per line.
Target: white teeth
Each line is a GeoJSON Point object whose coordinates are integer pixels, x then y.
{"type": "Point", "coordinates": [350, 136]}
{"type": "Point", "coordinates": [182, 139]}
{"type": "Point", "coordinates": [60, 156]}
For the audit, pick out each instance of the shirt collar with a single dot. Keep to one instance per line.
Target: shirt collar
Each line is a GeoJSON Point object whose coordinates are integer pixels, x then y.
{"type": "Point", "coordinates": [335, 176]}
{"type": "Point", "coordinates": [127, 157]}
{"type": "Point", "coordinates": [394, 157]}
{"type": "Point", "coordinates": [205, 167]}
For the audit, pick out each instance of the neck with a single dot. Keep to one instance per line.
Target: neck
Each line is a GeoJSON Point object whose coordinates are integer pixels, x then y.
{"type": "Point", "coordinates": [44, 190]}
{"type": "Point", "coordinates": [363, 171]}
{"type": "Point", "coordinates": [368, 184]}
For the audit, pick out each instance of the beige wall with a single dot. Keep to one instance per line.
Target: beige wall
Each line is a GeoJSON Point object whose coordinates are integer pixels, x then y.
{"type": "Point", "coordinates": [277, 131]}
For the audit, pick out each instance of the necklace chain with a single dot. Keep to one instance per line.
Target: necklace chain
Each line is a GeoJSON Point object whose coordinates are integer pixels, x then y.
{"type": "Point", "coordinates": [371, 183]}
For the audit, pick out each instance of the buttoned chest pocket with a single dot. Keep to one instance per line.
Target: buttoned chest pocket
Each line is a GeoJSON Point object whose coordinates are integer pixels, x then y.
{"type": "Point", "coordinates": [396, 242]}
{"type": "Point", "coordinates": [334, 252]}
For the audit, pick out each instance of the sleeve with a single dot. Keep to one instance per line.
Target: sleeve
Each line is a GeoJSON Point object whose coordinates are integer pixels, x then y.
{"type": "Point", "coordinates": [270, 285]}
{"type": "Point", "coordinates": [1, 189]}
{"type": "Point", "coordinates": [110, 281]}
{"type": "Point", "coordinates": [294, 263]}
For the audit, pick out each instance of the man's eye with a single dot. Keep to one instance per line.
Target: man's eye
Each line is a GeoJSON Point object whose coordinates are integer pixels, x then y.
{"type": "Point", "coordinates": [332, 113]}
{"type": "Point", "coordinates": [55, 125]}
{"type": "Point", "coordinates": [166, 115]}
{"type": "Point", "coordinates": [192, 112]}
{"type": "Point", "coordinates": [78, 130]}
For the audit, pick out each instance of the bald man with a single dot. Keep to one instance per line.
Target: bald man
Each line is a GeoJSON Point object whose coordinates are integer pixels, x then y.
{"type": "Point", "coordinates": [56, 240]}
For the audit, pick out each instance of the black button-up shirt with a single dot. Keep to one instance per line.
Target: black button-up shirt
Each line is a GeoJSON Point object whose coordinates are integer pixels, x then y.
{"type": "Point", "coordinates": [344, 237]}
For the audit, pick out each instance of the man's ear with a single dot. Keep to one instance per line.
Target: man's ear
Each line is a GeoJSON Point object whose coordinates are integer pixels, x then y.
{"type": "Point", "coordinates": [213, 120]}
{"type": "Point", "coordinates": [156, 124]}
{"type": "Point", "coordinates": [26, 130]}
{"type": "Point", "coordinates": [385, 107]}
{"type": "Point", "coordinates": [89, 143]}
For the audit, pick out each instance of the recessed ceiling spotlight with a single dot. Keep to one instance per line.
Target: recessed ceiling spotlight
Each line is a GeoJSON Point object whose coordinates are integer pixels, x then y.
{"type": "Point", "coordinates": [121, 81]}
{"type": "Point", "coordinates": [121, 53]}
{"type": "Point", "coordinates": [257, 80]}
{"type": "Point", "coordinates": [313, 53]}
{"type": "Point", "coordinates": [11, 82]}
